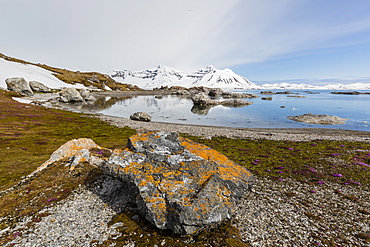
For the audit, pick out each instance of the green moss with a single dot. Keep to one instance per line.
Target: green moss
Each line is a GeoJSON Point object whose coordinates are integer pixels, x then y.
{"type": "Point", "coordinates": [30, 134]}
{"type": "Point", "coordinates": [310, 162]}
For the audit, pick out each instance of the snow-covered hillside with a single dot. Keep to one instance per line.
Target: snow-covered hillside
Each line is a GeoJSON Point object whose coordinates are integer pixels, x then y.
{"type": "Point", "coordinates": [166, 76]}
{"type": "Point", "coordinates": [30, 73]}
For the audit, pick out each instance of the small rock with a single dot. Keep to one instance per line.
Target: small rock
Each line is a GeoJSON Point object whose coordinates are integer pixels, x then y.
{"type": "Point", "coordinates": [236, 102]}
{"type": "Point", "coordinates": [141, 116]}
{"type": "Point", "coordinates": [267, 92]}
{"type": "Point", "coordinates": [266, 98]}
{"type": "Point", "coordinates": [318, 119]}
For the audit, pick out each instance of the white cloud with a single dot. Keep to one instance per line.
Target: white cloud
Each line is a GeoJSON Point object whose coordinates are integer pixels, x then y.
{"type": "Point", "coordinates": [263, 30]}
{"type": "Point", "coordinates": [123, 34]}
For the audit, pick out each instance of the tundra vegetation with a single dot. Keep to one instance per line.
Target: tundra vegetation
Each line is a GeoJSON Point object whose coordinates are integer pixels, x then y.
{"type": "Point", "coordinates": [29, 134]}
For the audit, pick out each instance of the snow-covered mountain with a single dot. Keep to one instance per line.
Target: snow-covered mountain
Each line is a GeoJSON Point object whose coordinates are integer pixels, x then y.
{"type": "Point", "coordinates": [166, 76]}
{"type": "Point", "coordinates": [303, 86]}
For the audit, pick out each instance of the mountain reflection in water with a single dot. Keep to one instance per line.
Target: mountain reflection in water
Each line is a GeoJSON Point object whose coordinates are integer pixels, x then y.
{"type": "Point", "coordinates": [261, 114]}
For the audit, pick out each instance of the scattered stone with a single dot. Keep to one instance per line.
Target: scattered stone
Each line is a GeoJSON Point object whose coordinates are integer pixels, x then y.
{"type": "Point", "coordinates": [19, 85]}
{"type": "Point", "coordinates": [70, 95]}
{"type": "Point", "coordinates": [238, 95]}
{"type": "Point", "coordinates": [318, 119]}
{"type": "Point", "coordinates": [141, 116]}
{"type": "Point", "coordinates": [349, 92]}
{"type": "Point", "coordinates": [285, 92]}
{"type": "Point", "coordinates": [178, 184]}
{"type": "Point", "coordinates": [181, 92]}
{"type": "Point", "coordinates": [267, 92]}
{"type": "Point", "coordinates": [296, 96]}
{"type": "Point", "coordinates": [235, 102]}
{"type": "Point", "coordinates": [266, 98]}
{"type": "Point", "coordinates": [39, 87]}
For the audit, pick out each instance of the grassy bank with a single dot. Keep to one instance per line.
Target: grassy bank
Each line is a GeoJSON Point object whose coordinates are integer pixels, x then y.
{"type": "Point", "coordinates": [29, 134]}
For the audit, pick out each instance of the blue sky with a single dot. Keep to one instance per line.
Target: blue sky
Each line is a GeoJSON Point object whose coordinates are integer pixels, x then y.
{"type": "Point", "coordinates": [263, 40]}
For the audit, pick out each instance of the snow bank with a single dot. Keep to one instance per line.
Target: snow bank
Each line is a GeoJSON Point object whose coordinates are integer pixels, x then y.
{"type": "Point", "coordinates": [30, 73]}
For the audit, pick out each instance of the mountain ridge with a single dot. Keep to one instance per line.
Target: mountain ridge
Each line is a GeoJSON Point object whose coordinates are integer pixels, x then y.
{"type": "Point", "coordinates": [166, 76]}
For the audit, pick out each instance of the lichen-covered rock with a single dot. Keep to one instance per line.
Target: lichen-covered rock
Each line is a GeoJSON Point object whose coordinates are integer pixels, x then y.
{"type": "Point", "coordinates": [324, 119]}
{"type": "Point", "coordinates": [141, 116]}
{"type": "Point", "coordinates": [70, 95]}
{"type": "Point", "coordinates": [176, 183]}
{"type": "Point", "coordinates": [73, 152]}
{"type": "Point", "coordinates": [19, 85]}
{"type": "Point", "coordinates": [39, 87]}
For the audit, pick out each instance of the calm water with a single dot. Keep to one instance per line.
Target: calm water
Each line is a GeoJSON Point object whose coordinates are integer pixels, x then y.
{"type": "Point", "coordinates": [261, 114]}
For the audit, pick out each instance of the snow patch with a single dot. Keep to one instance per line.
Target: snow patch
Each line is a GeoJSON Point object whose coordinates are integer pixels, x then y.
{"type": "Point", "coordinates": [30, 72]}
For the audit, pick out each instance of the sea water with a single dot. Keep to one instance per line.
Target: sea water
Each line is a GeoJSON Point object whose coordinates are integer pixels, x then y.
{"type": "Point", "coordinates": [261, 114]}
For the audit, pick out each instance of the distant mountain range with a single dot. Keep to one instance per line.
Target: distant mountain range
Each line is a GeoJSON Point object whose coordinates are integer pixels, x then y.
{"type": "Point", "coordinates": [157, 77]}
{"type": "Point", "coordinates": [213, 78]}
{"type": "Point", "coordinates": [166, 76]}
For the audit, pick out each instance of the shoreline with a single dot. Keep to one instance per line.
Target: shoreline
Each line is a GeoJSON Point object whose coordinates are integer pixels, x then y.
{"type": "Point", "coordinates": [297, 134]}
{"type": "Point", "coordinates": [304, 134]}
{"type": "Point", "coordinates": [293, 134]}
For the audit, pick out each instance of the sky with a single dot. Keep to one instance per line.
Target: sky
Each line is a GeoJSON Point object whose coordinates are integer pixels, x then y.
{"type": "Point", "coordinates": [262, 40]}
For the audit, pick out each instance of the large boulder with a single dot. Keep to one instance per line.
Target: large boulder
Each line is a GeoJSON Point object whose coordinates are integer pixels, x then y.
{"type": "Point", "coordinates": [203, 99]}
{"type": "Point", "coordinates": [86, 95]}
{"type": "Point", "coordinates": [70, 95]}
{"type": "Point", "coordinates": [324, 119]}
{"type": "Point", "coordinates": [141, 116]}
{"type": "Point", "coordinates": [19, 85]}
{"type": "Point", "coordinates": [178, 184]}
{"type": "Point", "coordinates": [39, 87]}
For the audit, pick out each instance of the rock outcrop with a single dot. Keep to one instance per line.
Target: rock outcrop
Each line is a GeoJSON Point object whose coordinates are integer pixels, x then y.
{"type": "Point", "coordinates": [324, 119]}
{"type": "Point", "coordinates": [19, 85]}
{"type": "Point", "coordinates": [141, 116]}
{"type": "Point", "coordinates": [39, 87]}
{"type": "Point", "coordinates": [212, 92]}
{"type": "Point", "coordinates": [203, 99]}
{"type": "Point", "coordinates": [175, 183]}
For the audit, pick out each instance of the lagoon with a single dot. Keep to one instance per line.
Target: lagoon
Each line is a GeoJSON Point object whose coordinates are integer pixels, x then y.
{"type": "Point", "coordinates": [261, 114]}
